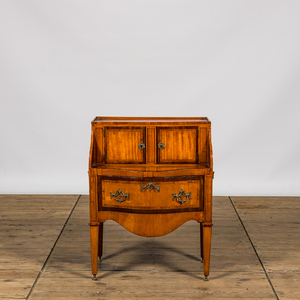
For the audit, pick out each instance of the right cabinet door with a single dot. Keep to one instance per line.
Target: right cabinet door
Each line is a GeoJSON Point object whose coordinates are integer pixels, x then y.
{"type": "Point", "coordinates": [177, 145]}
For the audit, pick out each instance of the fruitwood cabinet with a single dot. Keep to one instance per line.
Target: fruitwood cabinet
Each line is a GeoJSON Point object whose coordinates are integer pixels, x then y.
{"type": "Point", "coordinates": [150, 175]}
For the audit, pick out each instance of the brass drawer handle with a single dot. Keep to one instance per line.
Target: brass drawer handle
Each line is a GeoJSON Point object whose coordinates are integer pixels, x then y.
{"type": "Point", "coordinates": [141, 146]}
{"type": "Point", "coordinates": [150, 186]}
{"type": "Point", "coordinates": [161, 146]}
{"type": "Point", "coordinates": [181, 194]}
{"type": "Point", "coordinates": [119, 195]}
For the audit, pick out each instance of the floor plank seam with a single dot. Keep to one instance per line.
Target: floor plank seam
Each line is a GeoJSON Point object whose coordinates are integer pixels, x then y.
{"type": "Point", "coordinates": [261, 263]}
{"type": "Point", "coordinates": [45, 263]}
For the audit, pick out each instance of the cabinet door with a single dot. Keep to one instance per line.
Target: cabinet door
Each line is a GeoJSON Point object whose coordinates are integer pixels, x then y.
{"type": "Point", "coordinates": [124, 145]}
{"type": "Point", "coordinates": [177, 145]}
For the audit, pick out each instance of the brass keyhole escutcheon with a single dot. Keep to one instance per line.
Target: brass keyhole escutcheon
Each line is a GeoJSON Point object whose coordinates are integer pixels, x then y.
{"type": "Point", "coordinates": [161, 146]}
{"type": "Point", "coordinates": [141, 146]}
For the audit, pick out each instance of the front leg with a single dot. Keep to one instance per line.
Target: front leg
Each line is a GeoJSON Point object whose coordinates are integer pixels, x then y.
{"type": "Point", "coordinates": [94, 232]}
{"type": "Point", "coordinates": [100, 241]}
{"type": "Point", "coordinates": [206, 247]}
{"type": "Point", "coordinates": [201, 241]}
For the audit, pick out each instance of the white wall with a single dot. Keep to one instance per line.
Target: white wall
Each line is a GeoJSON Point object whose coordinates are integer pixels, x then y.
{"type": "Point", "coordinates": [64, 62]}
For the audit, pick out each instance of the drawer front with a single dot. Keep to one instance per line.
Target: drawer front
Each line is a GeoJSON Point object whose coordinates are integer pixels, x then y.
{"type": "Point", "coordinates": [152, 194]}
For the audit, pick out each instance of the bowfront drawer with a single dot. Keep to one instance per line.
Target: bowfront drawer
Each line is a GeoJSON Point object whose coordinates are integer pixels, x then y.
{"type": "Point", "coordinates": [152, 194]}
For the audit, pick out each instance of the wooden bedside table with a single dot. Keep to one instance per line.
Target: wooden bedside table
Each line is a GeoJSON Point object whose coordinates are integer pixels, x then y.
{"type": "Point", "coordinates": [150, 175]}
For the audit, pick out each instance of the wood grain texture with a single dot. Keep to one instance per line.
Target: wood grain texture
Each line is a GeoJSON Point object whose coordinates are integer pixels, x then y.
{"type": "Point", "coordinates": [203, 145]}
{"type": "Point", "coordinates": [93, 197]}
{"type": "Point", "coordinates": [29, 228]}
{"type": "Point", "coordinates": [152, 121]}
{"type": "Point", "coordinates": [150, 145]}
{"type": "Point", "coordinates": [121, 145]}
{"type": "Point", "coordinates": [273, 225]}
{"type": "Point", "coordinates": [208, 198]}
{"type": "Point", "coordinates": [206, 246]}
{"type": "Point", "coordinates": [152, 285]}
{"type": "Point", "coordinates": [100, 240]}
{"type": "Point", "coordinates": [286, 284]}
{"type": "Point", "coordinates": [16, 284]}
{"type": "Point", "coordinates": [181, 145]}
{"type": "Point", "coordinates": [166, 267]}
{"type": "Point", "coordinates": [150, 225]}
{"type": "Point", "coordinates": [94, 231]}
{"type": "Point", "coordinates": [98, 146]}
{"type": "Point", "coordinates": [151, 199]}
{"type": "Point", "coordinates": [150, 170]}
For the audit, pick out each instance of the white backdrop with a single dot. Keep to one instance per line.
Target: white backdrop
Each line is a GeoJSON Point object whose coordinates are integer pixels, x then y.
{"type": "Point", "coordinates": [64, 62]}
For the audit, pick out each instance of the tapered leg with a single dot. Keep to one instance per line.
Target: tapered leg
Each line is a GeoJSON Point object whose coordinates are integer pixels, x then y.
{"type": "Point", "coordinates": [206, 247]}
{"type": "Point", "coordinates": [100, 241]}
{"type": "Point", "coordinates": [201, 241]}
{"type": "Point", "coordinates": [94, 231]}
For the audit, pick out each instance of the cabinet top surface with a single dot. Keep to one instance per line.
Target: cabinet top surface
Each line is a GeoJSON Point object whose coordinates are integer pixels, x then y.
{"type": "Point", "coordinates": [150, 120]}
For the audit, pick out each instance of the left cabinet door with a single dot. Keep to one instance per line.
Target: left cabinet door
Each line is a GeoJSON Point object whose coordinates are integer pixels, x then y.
{"type": "Point", "coordinates": [125, 145]}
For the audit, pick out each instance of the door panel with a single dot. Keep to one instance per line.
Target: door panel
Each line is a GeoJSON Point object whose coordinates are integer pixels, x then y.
{"type": "Point", "coordinates": [122, 145]}
{"type": "Point", "coordinates": [179, 145]}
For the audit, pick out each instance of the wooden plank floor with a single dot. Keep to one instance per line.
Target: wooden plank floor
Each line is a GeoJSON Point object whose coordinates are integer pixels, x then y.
{"type": "Point", "coordinates": [45, 253]}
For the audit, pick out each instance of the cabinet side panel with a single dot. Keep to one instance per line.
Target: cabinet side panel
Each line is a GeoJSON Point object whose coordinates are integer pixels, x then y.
{"type": "Point", "coordinates": [210, 150]}
{"type": "Point", "coordinates": [208, 198]}
{"type": "Point", "coordinates": [98, 145]}
{"type": "Point", "coordinates": [91, 155]}
{"type": "Point", "coordinates": [150, 146]}
{"type": "Point", "coordinates": [203, 139]}
{"type": "Point", "coordinates": [93, 198]}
